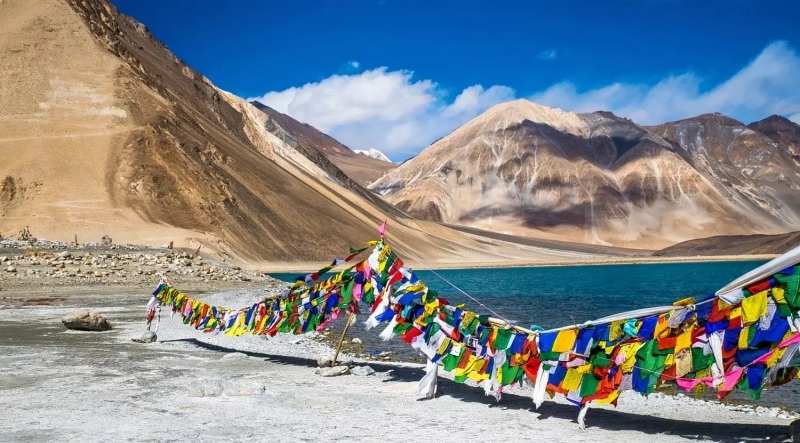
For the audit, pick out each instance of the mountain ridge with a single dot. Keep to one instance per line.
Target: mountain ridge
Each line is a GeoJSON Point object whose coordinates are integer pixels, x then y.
{"type": "Point", "coordinates": [524, 169]}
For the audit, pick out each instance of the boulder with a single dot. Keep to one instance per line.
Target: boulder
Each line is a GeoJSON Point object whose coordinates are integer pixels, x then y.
{"type": "Point", "coordinates": [147, 337]}
{"type": "Point", "coordinates": [86, 321]}
{"type": "Point", "coordinates": [362, 370]}
{"type": "Point", "coordinates": [333, 372]}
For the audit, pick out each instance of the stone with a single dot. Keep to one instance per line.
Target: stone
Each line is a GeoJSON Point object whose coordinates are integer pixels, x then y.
{"type": "Point", "coordinates": [64, 255]}
{"type": "Point", "coordinates": [333, 372]}
{"type": "Point", "coordinates": [11, 269]}
{"type": "Point", "coordinates": [356, 341]}
{"type": "Point", "coordinates": [324, 362]}
{"type": "Point", "coordinates": [362, 371]}
{"type": "Point", "coordinates": [147, 337]}
{"type": "Point", "coordinates": [86, 321]}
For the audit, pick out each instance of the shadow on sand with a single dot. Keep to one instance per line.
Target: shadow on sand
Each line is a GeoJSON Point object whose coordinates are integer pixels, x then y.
{"type": "Point", "coordinates": [602, 418]}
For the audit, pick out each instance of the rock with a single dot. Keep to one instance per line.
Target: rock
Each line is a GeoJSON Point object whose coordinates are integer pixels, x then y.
{"type": "Point", "coordinates": [356, 341]}
{"type": "Point", "coordinates": [333, 372]}
{"type": "Point", "coordinates": [11, 269]}
{"type": "Point", "coordinates": [64, 255]}
{"type": "Point", "coordinates": [86, 321]}
{"type": "Point", "coordinates": [324, 362]}
{"type": "Point", "coordinates": [147, 337]}
{"type": "Point", "coordinates": [234, 356]}
{"type": "Point", "coordinates": [3, 259]}
{"type": "Point", "coordinates": [362, 370]}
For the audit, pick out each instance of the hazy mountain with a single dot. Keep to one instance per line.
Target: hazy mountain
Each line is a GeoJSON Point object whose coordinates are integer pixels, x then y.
{"type": "Point", "coordinates": [525, 169]}
{"type": "Point", "coordinates": [104, 131]}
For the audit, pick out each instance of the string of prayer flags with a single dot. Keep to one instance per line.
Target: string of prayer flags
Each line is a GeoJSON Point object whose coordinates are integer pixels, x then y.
{"type": "Point", "coordinates": [745, 338]}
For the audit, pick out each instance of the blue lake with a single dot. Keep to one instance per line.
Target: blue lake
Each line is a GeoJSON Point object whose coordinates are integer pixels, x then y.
{"type": "Point", "coordinates": [556, 296]}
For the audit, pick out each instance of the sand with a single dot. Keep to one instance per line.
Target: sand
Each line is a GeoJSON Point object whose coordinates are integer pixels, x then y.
{"type": "Point", "coordinates": [62, 385]}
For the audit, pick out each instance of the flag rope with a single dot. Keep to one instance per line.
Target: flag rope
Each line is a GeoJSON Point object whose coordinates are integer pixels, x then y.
{"type": "Point", "coordinates": [745, 338]}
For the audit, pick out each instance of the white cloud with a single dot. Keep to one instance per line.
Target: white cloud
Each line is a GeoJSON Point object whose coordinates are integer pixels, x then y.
{"type": "Point", "coordinates": [353, 64]}
{"type": "Point", "coordinates": [548, 54]}
{"type": "Point", "coordinates": [388, 110]}
{"type": "Point", "coordinates": [769, 84]}
{"type": "Point", "coordinates": [393, 112]}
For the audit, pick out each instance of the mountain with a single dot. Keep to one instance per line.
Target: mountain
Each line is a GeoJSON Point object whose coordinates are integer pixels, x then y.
{"type": "Point", "coordinates": [525, 169]}
{"type": "Point", "coordinates": [374, 153]}
{"type": "Point", "coordinates": [750, 170]}
{"type": "Point", "coordinates": [782, 131]}
{"type": "Point", "coordinates": [104, 131]}
{"type": "Point", "coordinates": [306, 138]}
{"type": "Point", "coordinates": [755, 244]}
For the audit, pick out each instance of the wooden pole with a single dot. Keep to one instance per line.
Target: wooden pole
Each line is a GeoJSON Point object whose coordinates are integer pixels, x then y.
{"type": "Point", "coordinates": [341, 339]}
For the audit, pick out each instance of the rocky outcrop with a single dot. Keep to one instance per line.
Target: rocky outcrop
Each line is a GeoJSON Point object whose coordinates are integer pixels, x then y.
{"type": "Point", "coordinates": [334, 157]}
{"type": "Point", "coordinates": [782, 131]}
{"type": "Point", "coordinates": [86, 321]}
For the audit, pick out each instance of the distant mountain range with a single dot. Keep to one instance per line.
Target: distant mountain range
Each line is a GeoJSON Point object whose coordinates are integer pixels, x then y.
{"type": "Point", "coordinates": [526, 169]}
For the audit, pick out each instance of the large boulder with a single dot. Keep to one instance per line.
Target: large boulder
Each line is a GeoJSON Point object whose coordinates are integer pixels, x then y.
{"type": "Point", "coordinates": [86, 321]}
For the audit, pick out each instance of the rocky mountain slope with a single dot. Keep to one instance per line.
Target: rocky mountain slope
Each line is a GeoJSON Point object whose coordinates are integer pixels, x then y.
{"type": "Point", "coordinates": [525, 169]}
{"type": "Point", "coordinates": [782, 131]}
{"type": "Point", "coordinates": [307, 139]}
{"type": "Point", "coordinates": [104, 131]}
{"type": "Point", "coordinates": [733, 245]}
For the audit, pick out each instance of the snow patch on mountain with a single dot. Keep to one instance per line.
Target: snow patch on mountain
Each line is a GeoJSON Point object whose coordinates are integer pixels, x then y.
{"type": "Point", "coordinates": [374, 153]}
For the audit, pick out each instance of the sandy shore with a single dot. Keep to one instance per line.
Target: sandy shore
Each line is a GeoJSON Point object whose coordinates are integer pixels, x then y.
{"type": "Point", "coordinates": [62, 385]}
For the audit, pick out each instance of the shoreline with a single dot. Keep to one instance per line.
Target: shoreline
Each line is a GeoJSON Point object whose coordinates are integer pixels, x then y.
{"type": "Point", "coordinates": [301, 267]}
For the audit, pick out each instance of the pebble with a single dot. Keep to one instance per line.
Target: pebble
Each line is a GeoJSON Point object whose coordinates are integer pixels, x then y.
{"type": "Point", "coordinates": [362, 370]}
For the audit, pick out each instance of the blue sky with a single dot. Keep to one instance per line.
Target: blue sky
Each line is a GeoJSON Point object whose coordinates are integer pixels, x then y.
{"type": "Point", "coordinates": [395, 75]}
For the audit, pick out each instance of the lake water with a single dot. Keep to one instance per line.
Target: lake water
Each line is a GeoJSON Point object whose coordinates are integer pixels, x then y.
{"type": "Point", "coordinates": [558, 296]}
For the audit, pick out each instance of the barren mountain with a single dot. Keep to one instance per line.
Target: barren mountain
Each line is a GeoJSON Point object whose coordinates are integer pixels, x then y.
{"type": "Point", "coordinates": [307, 139]}
{"type": "Point", "coordinates": [525, 169]}
{"type": "Point", "coordinates": [755, 244]}
{"type": "Point", "coordinates": [104, 131]}
{"type": "Point", "coordinates": [782, 131]}
{"type": "Point", "coordinates": [750, 170]}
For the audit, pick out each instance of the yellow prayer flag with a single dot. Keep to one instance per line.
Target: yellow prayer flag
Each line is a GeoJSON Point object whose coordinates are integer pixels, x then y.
{"type": "Point", "coordinates": [754, 307]}
{"type": "Point", "coordinates": [684, 340]}
{"type": "Point", "coordinates": [565, 340]}
{"type": "Point", "coordinates": [615, 331]}
{"type": "Point", "coordinates": [779, 295]}
{"type": "Point", "coordinates": [572, 380]}
{"type": "Point", "coordinates": [744, 338]}
{"type": "Point", "coordinates": [607, 400]}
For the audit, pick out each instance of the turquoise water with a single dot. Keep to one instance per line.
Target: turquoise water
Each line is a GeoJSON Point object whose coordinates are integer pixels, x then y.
{"type": "Point", "coordinates": [556, 296]}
